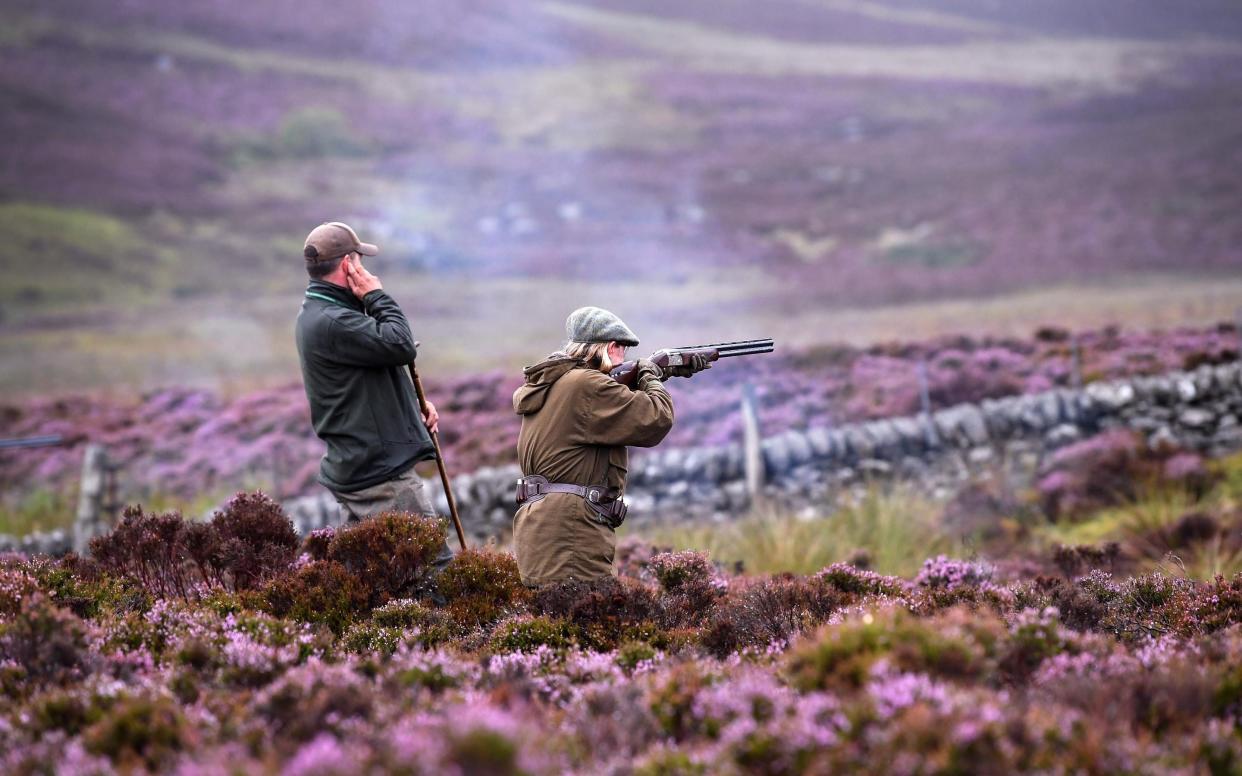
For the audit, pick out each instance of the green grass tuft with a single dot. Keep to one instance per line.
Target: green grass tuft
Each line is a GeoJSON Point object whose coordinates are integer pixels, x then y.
{"type": "Point", "coordinates": [896, 530]}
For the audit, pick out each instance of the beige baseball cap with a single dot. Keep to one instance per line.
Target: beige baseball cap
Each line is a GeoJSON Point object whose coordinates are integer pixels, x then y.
{"type": "Point", "coordinates": [333, 240]}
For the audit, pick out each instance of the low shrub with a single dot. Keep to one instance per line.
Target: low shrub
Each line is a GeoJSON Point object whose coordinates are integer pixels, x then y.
{"type": "Point", "coordinates": [390, 553]}
{"type": "Point", "coordinates": [401, 613]}
{"type": "Point", "coordinates": [600, 610]}
{"type": "Point", "coordinates": [246, 543]}
{"type": "Point", "coordinates": [317, 542]}
{"type": "Point", "coordinates": [481, 586]}
{"type": "Point", "coordinates": [140, 732]}
{"type": "Point", "coordinates": [956, 645]}
{"type": "Point", "coordinates": [321, 591]}
{"type": "Point", "coordinates": [48, 644]}
{"type": "Point", "coordinates": [253, 541]}
{"type": "Point", "coordinates": [149, 549]}
{"type": "Point", "coordinates": [16, 585]}
{"type": "Point", "coordinates": [366, 638]}
{"type": "Point", "coordinates": [690, 585]}
{"type": "Point", "coordinates": [526, 633]}
{"type": "Point", "coordinates": [847, 578]}
{"type": "Point", "coordinates": [632, 653]}
{"type": "Point", "coordinates": [314, 698]}
{"type": "Point", "coordinates": [767, 610]}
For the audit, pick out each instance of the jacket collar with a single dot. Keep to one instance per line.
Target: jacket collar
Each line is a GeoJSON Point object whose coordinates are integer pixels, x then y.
{"type": "Point", "coordinates": [318, 289]}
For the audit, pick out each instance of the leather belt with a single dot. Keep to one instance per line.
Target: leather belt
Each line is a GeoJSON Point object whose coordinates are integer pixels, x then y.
{"type": "Point", "coordinates": [607, 509]}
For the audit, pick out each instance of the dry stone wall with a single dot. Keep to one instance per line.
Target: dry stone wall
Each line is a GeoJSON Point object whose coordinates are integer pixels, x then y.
{"type": "Point", "coordinates": [939, 452]}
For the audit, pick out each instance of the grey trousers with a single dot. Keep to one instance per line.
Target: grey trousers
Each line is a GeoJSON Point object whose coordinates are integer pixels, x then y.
{"type": "Point", "coordinates": [404, 493]}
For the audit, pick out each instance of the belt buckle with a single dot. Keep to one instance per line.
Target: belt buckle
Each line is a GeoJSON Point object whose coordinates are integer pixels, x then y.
{"type": "Point", "coordinates": [593, 495]}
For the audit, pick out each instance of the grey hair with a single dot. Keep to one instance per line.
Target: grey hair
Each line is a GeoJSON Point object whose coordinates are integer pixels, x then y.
{"type": "Point", "coordinates": [595, 354]}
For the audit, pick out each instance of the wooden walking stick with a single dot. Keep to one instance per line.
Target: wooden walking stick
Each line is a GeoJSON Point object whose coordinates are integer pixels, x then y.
{"type": "Point", "coordinates": [435, 440]}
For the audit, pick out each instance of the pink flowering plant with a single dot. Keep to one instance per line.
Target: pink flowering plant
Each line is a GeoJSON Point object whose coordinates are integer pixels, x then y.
{"type": "Point", "coordinates": [680, 666]}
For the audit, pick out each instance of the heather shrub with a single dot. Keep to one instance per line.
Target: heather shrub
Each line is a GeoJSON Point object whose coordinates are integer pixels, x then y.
{"type": "Point", "coordinates": [148, 549]}
{"type": "Point", "coordinates": [67, 711]}
{"type": "Point", "coordinates": [1112, 468]}
{"type": "Point", "coordinates": [842, 656]}
{"type": "Point", "coordinates": [321, 591]}
{"type": "Point", "coordinates": [632, 653]}
{"type": "Point", "coordinates": [401, 613]}
{"type": "Point", "coordinates": [390, 553]}
{"type": "Point", "coordinates": [80, 585]}
{"type": "Point", "coordinates": [46, 643]}
{"type": "Point", "coordinates": [317, 542]}
{"type": "Point", "coordinates": [767, 610]}
{"type": "Point", "coordinates": [677, 571]}
{"type": "Point", "coordinates": [140, 732]}
{"type": "Point", "coordinates": [690, 585]}
{"type": "Point", "coordinates": [847, 578]}
{"type": "Point", "coordinates": [413, 622]}
{"type": "Point", "coordinates": [314, 698]}
{"type": "Point", "coordinates": [526, 633]}
{"type": "Point", "coordinates": [1220, 605]}
{"type": "Point", "coordinates": [944, 572]}
{"type": "Point", "coordinates": [247, 542]}
{"type": "Point", "coordinates": [365, 638]}
{"type": "Point", "coordinates": [481, 586]}
{"type": "Point", "coordinates": [1076, 560]}
{"type": "Point", "coordinates": [1034, 637]}
{"type": "Point", "coordinates": [16, 585]}
{"type": "Point", "coordinates": [599, 610]}
{"type": "Point", "coordinates": [253, 540]}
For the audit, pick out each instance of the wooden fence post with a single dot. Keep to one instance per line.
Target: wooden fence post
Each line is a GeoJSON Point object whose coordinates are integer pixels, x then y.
{"type": "Point", "coordinates": [752, 446]}
{"type": "Point", "coordinates": [88, 523]}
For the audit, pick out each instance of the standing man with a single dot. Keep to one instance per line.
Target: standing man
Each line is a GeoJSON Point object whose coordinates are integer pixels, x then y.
{"type": "Point", "coordinates": [355, 345]}
{"type": "Point", "coordinates": [576, 423]}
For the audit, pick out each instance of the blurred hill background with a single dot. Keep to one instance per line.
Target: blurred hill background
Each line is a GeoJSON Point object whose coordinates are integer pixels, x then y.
{"type": "Point", "coordinates": [837, 170]}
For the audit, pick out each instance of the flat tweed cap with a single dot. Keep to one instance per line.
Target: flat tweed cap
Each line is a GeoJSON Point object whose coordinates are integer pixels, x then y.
{"type": "Point", "coordinates": [595, 324]}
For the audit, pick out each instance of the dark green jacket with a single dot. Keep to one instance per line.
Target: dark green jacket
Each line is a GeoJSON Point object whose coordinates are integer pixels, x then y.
{"type": "Point", "coordinates": [354, 356]}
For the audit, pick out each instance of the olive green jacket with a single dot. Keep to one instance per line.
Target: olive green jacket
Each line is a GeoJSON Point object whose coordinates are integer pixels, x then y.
{"type": "Point", "coordinates": [576, 423]}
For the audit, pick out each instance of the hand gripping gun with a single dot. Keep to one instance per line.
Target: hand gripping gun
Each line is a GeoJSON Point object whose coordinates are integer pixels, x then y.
{"type": "Point", "coordinates": [627, 373]}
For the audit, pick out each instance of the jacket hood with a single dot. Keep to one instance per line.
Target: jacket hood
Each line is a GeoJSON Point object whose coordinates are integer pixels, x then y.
{"type": "Point", "coordinates": [530, 397]}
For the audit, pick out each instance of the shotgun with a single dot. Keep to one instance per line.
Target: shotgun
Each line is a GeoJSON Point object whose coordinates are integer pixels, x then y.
{"type": "Point", "coordinates": [627, 373]}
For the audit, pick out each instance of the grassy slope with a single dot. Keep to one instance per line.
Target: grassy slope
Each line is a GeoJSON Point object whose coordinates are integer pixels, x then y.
{"type": "Point", "coordinates": [811, 157]}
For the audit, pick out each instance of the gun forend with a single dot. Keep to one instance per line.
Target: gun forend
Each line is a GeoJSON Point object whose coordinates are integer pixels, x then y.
{"type": "Point", "coordinates": [627, 373]}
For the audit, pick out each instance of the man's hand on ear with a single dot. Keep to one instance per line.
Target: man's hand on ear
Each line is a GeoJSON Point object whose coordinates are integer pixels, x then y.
{"type": "Point", "coordinates": [360, 281]}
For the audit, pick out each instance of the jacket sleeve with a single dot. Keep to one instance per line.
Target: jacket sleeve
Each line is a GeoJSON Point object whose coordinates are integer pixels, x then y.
{"type": "Point", "coordinates": [380, 338]}
{"type": "Point", "coordinates": [617, 415]}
